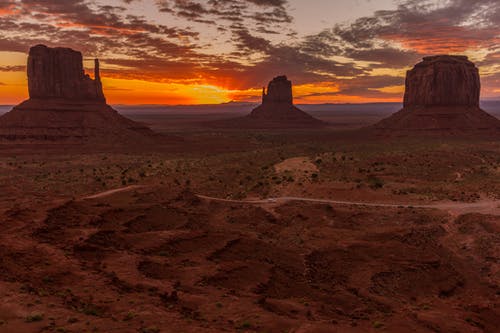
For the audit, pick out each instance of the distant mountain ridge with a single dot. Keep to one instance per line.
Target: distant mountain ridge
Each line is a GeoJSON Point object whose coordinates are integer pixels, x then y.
{"type": "Point", "coordinates": [492, 106]}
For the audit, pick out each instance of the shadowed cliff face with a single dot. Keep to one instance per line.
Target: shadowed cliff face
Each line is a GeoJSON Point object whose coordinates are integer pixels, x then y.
{"type": "Point", "coordinates": [441, 97]}
{"type": "Point", "coordinates": [67, 106]}
{"type": "Point", "coordinates": [277, 109]}
{"type": "Point", "coordinates": [443, 81]}
{"type": "Point", "coordinates": [279, 90]}
{"type": "Point", "coordinates": [58, 73]}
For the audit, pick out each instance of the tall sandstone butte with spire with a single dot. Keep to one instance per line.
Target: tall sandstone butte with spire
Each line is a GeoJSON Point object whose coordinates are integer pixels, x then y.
{"type": "Point", "coordinates": [58, 73]}
{"type": "Point", "coordinates": [66, 104]}
{"type": "Point", "coordinates": [442, 95]}
{"type": "Point", "coordinates": [277, 109]}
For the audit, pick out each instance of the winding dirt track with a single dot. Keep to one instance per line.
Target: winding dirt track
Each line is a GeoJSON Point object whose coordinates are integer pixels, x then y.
{"type": "Point", "coordinates": [111, 192]}
{"type": "Point", "coordinates": [485, 206]}
{"type": "Point", "coordinates": [491, 207]}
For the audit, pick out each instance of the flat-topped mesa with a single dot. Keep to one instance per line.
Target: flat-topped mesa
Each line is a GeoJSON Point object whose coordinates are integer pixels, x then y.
{"type": "Point", "coordinates": [279, 90]}
{"type": "Point", "coordinates": [443, 80]}
{"type": "Point", "coordinates": [441, 98]}
{"type": "Point", "coordinates": [57, 73]}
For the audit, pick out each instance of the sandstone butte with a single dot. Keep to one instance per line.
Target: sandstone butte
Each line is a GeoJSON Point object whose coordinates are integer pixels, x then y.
{"type": "Point", "coordinates": [65, 104]}
{"type": "Point", "coordinates": [442, 97]}
{"type": "Point", "coordinates": [276, 111]}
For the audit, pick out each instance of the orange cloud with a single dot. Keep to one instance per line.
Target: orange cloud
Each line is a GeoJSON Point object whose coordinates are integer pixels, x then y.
{"type": "Point", "coordinates": [99, 29]}
{"type": "Point", "coordinates": [9, 10]}
{"type": "Point", "coordinates": [447, 39]}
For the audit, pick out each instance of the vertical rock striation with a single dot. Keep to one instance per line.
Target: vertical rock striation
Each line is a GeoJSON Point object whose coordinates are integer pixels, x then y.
{"type": "Point", "coordinates": [443, 81]}
{"type": "Point", "coordinates": [279, 90]}
{"type": "Point", "coordinates": [65, 104]}
{"type": "Point", "coordinates": [441, 96]}
{"type": "Point", "coordinates": [57, 73]}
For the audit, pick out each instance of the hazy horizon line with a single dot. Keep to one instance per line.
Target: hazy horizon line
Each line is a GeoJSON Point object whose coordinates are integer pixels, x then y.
{"type": "Point", "coordinates": [496, 99]}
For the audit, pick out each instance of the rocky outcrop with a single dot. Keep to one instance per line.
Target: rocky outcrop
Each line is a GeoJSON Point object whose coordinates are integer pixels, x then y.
{"type": "Point", "coordinates": [279, 90]}
{"type": "Point", "coordinates": [66, 105]}
{"type": "Point", "coordinates": [58, 73]}
{"type": "Point", "coordinates": [443, 80]}
{"type": "Point", "coordinates": [277, 109]}
{"type": "Point", "coordinates": [441, 97]}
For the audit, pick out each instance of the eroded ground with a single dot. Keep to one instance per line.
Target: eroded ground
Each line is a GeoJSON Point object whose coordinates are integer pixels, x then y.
{"type": "Point", "coordinates": [154, 257]}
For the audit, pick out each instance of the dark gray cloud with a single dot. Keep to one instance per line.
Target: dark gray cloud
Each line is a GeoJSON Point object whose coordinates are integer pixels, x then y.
{"type": "Point", "coordinates": [419, 26]}
{"type": "Point", "coordinates": [94, 30]}
{"type": "Point", "coordinates": [218, 12]}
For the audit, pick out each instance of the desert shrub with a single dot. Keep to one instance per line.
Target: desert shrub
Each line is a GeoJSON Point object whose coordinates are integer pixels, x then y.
{"type": "Point", "coordinates": [91, 310]}
{"type": "Point", "coordinates": [245, 325]}
{"type": "Point", "coordinates": [34, 318]}
{"type": "Point", "coordinates": [129, 316]}
{"type": "Point", "coordinates": [375, 182]}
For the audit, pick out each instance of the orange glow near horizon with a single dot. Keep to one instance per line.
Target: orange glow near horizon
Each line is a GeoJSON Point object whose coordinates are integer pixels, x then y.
{"type": "Point", "coordinates": [122, 91]}
{"type": "Point", "coordinates": [13, 87]}
{"type": "Point", "coordinates": [119, 89]}
{"type": "Point", "coordinates": [345, 99]}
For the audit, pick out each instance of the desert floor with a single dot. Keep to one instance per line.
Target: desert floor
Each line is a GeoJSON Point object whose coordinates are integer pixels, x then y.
{"type": "Point", "coordinates": [251, 231]}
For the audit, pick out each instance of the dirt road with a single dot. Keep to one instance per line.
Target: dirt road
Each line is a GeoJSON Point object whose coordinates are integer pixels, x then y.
{"type": "Point", "coordinates": [456, 208]}
{"type": "Point", "coordinates": [111, 192]}
{"type": "Point", "coordinates": [491, 207]}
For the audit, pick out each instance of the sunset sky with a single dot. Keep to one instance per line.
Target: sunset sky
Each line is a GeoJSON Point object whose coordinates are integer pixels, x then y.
{"type": "Point", "coordinates": [216, 51]}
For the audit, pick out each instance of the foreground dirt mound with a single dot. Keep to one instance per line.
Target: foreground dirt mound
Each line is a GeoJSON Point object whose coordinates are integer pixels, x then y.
{"type": "Point", "coordinates": [441, 97]}
{"type": "Point", "coordinates": [156, 260]}
{"type": "Point", "coordinates": [66, 105]}
{"type": "Point", "coordinates": [277, 111]}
